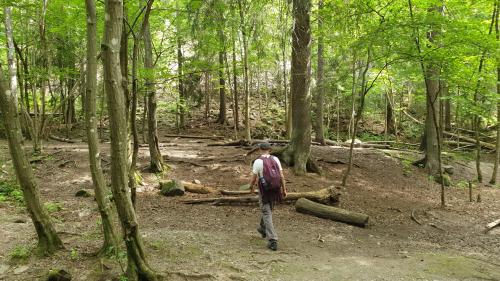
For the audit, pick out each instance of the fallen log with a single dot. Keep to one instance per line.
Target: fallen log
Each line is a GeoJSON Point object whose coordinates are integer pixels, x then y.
{"type": "Point", "coordinates": [194, 137]}
{"type": "Point", "coordinates": [197, 188]}
{"type": "Point", "coordinates": [325, 196]}
{"type": "Point", "coordinates": [237, 192]}
{"type": "Point", "coordinates": [255, 142]}
{"type": "Point", "coordinates": [52, 137]}
{"type": "Point", "coordinates": [492, 225]}
{"type": "Point", "coordinates": [306, 206]}
{"type": "Point", "coordinates": [359, 145]}
{"type": "Point", "coordinates": [471, 140]}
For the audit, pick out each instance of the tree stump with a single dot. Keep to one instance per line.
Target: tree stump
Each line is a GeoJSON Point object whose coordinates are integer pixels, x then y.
{"type": "Point", "coordinates": [172, 188]}
{"type": "Point", "coordinates": [328, 212]}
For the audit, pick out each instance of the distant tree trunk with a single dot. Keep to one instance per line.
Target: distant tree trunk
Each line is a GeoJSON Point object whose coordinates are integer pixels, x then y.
{"type": "Point", "coordinates": [134, 101]}
{"type": "Point", "coordinates": [101, 189]}
{"type": "Point", "coordinates": [207, 97]}
{"type": "Point", "coordinates": [138, 268]}
{"type": "Point", "coordinates": [235, 87]}
{"type": "Point", "coordinates": [320, 135]}
{"type": "Point", "coordinates": [478, 100]}
{"type": "Point", "coordinates": [48, 240]}
{"type": "Point", "coordinates": [300, 144]}
{"type": "Point", "coordinates": [284, 43]}
{"type": "Point", "coordinates": [447, 107]}
{"type": "Point", "coordinates": [248, 135]}
{"type": "Point", "coordinates": [180, 86]}
{"type": "Point", "coordinates": [156, 162]}
{"type": "Point", "coordinates": [389, 119]}
{"type": "Point", "coordinates": [497, 154]}
{"type": "Point", "coordinates": [11, 55]}
{"type": "Point", "coordinates": [222, 83]}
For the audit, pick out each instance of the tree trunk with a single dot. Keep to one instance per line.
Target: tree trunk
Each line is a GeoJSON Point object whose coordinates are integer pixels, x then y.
{"type": "Point", "coordinates": [248, 135]}
{"type": "Point", "coordinates": [235, 86]}
{"type": "Point", "coordinates": [300, 146]}
{"type": "Point", "coordinates": [48, 240]}
{"type": "Point", "coordinates": [320, 135]}
{"type": "Point", "coordinates": [447, 107]}
{"type": "Point", "coordinates": [222, 83]}
{"type": "Point", "coordinates": [101, 189]}
{"type": "Point", "coordinates": [497, 154]}
{"type": "Point", "coordinates": [182, 94]}
{"type": "Point", "coordinates": [138, 268]}
{"type": "Point", "coordinates": [156, 164]}
{"type": "Point", "coordinates": [11, 56]}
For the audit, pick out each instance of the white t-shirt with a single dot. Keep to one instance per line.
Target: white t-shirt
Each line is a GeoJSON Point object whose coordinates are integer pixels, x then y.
{"type": "Point", "coordinates": [258, 165]}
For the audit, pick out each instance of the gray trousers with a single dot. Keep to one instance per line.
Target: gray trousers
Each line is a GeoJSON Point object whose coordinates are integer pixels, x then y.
{"type": "Point", "coordinates": [266, 222]}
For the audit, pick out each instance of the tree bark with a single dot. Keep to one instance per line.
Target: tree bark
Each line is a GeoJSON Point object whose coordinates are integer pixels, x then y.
{"type": "Point", "coordinates": [11, 56]}
{"type": "Point", "coordinates": [101, 189]}
{"type": "Point", "coordinates": [327, 212]}
{"type": "Point", "coordinates": [497, 154]}
{"type": "Point", "coordinates": [138, 268]}
{"type": "Point", "coordinates": [222, 82]}
{"type": "Point", "coordinates": [48, 240]}
{"type": "Point", "coordinates": [156, 164]}
{"type": "Point", "coordinates": [300, 146]}
{"type": "Point", "coordinates": [180, 86]}
{"type": "Point", "coordinates": [320, 91]}
{"type": "Point", "coordinates": [248, 135]}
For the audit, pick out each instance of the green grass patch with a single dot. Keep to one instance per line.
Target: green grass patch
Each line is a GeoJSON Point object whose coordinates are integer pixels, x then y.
{"type": "Point", "coordinates": [53, 207]}
{"type": "Point", "coordinates": [10, 191]}
{"type": "Point", "coordinates": [20, 253]}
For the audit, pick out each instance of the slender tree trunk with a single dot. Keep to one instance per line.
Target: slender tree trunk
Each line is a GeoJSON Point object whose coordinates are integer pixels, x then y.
{"type": "Point", "coordinates": [478, 100]}
{"type": "Point", "coordinates": [156, 162]}
{"type": "Point", "coordinates": [497, 154]}
{"type": "Point", "coordinates": [447, 107]}
{"type": "Point", "coordinates": [320, 135]}
{"type": "Point", "coordinates": [222, 83]}
{"type": "Point", "coordinates": [138, 268]}
{"type": "Point", "coordinates": [124, 59]}
{"type": "Point", "coordinates": [248, 135]}
{"type": "Point", "coordinates": [101, 189]}
{"type": "Point", "coordinates": [235, 87]}
{"type": "Point", "coordinates": [182, 98]}
{"type": "Point", "coordinates": [48, 240]}
{"type": "Point", "coordinates": [11, 55]}
{"type": "Point", "coordinates": [300, 144]}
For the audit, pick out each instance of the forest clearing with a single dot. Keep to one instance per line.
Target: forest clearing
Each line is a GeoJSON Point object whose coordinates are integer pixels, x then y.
{"type": "Point", "coordinates": [249, 140]}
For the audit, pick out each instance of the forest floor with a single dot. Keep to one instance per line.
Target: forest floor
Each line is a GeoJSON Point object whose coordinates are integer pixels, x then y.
{"type": "Point", "coordinates": [205, 242]}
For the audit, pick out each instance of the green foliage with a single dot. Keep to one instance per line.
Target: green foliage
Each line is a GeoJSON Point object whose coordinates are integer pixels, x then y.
{"type": "Point", "coordinates": [74, 254]}
{"type": "Point", "coordinates": [20, 253]}
{"type": "Point", "coordinates": [53, 207]}
{"type": "Point", "coordinates": [10, 191]}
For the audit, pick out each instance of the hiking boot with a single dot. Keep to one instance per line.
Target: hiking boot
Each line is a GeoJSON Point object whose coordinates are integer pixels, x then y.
{"type": "Point", "coordinates": [272, 245]}
{"type": "Point", "coordinates": [262, 232]}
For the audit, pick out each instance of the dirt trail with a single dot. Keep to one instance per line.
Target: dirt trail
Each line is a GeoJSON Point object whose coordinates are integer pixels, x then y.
{"type": "Point", "coordinates": [206, 242]}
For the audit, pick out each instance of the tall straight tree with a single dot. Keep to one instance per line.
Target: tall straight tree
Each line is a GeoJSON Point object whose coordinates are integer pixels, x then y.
{"type": "Point", "coordinates": [300, 145]}
{"type": "Point", "coordinates": [101, 189]}
{"type": "Point", "coordinates": [497, 154]}
{"type": "Point", "coordinates": [156, 162]}
{"type": "Point", "coordinates": [138, 268]}
{"type": "Point", "coordinates": [48, 240]}
{"type": "Point", "coordinates": [320, 92]}
{"type": "Point", "coordinates": [241, 7]}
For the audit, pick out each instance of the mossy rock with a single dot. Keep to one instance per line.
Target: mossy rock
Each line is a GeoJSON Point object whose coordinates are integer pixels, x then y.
{"type": "Point", "coordinates": [446, 179]}
{"type": "Point", "coordinates": [172, 188]}
{"type": "Point", "coordinates": [58, 275]}
{"type": "Point", "coordinates": [85, 193]}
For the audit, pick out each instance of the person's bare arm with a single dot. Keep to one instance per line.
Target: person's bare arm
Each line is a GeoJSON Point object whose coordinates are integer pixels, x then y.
{"type": "Point", "coordinates": [252, 183]}
{"type": "Point", "coordinates": [283, 186]}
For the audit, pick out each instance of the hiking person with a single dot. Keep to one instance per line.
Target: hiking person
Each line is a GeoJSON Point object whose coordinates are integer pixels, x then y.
{"type": "Point", "coordinates": [268, 174]}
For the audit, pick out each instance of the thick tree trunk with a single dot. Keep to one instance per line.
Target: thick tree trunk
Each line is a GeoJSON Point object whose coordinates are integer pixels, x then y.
{"type": "Point", "coordinates": [300, 145]}
{"type": "Point", "coordinates": [156, 164]}
{"type": "Point", "coordinates": [320, 135]}
{"type": "Point", "coordinates": [138, 268]}
{"type": "Point", "coordinates": [101, 189]}
{"type": "Point", "coordinates": [248, 135]}
{"type": "Point", "coordinates": [48, 240]}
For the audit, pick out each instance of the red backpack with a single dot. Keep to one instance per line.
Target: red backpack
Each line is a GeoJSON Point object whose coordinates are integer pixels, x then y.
{"type": "Point", "coordinates": [271, 179]}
